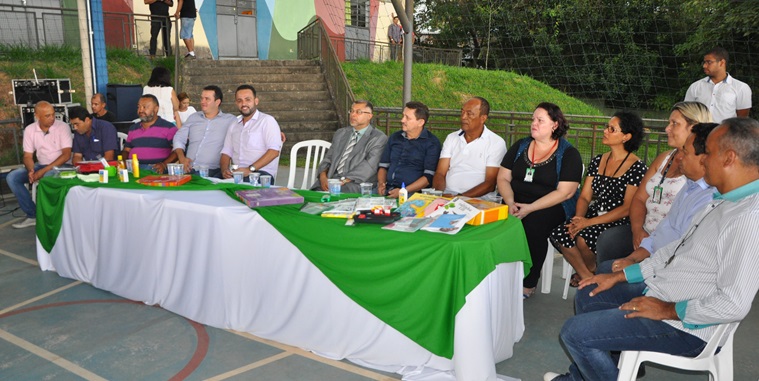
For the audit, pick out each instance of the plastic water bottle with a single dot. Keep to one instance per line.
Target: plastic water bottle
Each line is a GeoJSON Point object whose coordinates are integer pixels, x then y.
{"type": "Point", "coordinates": [402, 194]}
{"type": "Point", "coordinates": [135, 166]}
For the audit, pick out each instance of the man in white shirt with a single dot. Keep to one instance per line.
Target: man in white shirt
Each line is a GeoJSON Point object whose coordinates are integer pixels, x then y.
{"type": "Point", "coordinates": [253, 141]}
{"type": "Point", "coordinates": [725, 96]}
{"type": "Point", "coordinates": [471, 157]}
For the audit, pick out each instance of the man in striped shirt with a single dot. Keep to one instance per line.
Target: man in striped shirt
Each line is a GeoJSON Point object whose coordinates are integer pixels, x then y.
{"type": "Point", "coordinates": [707, 277]}
{"type": "Point", "coordinates": [151, 138]}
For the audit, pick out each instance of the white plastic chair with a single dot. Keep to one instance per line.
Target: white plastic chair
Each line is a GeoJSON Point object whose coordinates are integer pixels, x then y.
{"type": "Point", "coordinates": [719, 365]}
{"type": "Point", "coordinates": [315, 150]}
{"type": "Point", "coordinates": [546, 273]}
{"type": "Point", "coordinates": [122, 139]}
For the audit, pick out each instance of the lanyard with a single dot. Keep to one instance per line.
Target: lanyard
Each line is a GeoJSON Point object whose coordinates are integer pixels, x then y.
{"type": "Point", "coordinates": [530, 172]}
{"type": "Point", "coordinates": [669, 164]}
{"type": "Point", "coordinates": [620, 165]}
{"type": "Point", "coordinates": [532, 160]}
{"type": "Point", "coordinates": [690, 233]}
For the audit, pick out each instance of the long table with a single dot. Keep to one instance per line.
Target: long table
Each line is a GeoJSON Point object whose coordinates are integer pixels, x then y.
{"type": "Point", "coordinates": [207, 257]}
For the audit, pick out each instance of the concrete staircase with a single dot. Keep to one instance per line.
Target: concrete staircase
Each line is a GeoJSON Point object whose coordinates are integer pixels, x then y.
{"type": "Point", "coordinates": [293, 91]}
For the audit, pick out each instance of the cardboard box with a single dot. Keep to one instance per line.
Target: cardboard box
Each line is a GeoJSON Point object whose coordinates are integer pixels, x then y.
{"type": "Point", "coordinates": [490, 212]}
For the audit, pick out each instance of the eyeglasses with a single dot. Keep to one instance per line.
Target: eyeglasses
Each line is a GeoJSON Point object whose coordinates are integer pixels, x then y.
{"type": "Point", "coordinates": [708, 62]}
{"type": "Point", "coordinates": [360, 112]}
{"type": "Point", "coordinates": [611, 128]}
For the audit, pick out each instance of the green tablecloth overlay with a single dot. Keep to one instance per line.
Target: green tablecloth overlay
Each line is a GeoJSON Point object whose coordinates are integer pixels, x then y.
{"type": "Point", "coordinates": [414, 282]}
{"type": "Point", "coordinates": [52, 191]}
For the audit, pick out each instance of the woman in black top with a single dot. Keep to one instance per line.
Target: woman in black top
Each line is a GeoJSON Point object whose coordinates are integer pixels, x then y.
{"type": "Point", "coordinates": [537, 175]}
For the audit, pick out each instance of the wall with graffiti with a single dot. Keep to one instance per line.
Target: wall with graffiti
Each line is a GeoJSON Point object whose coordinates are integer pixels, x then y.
{"type": "Point", "coordinates": [274, 24]}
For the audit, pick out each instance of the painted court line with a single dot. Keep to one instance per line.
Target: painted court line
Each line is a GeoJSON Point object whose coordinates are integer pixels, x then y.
{"type": "Point", "coordinates": [251, 366]}
{"type": "Point", "coordinates": [12, 221]}
{"type": "Point", "coordinates": [52, 357]}
{"type": "Point", "coordinates": [20, 258]}
{"type": "Point", "coordinates": [40, 297]}
{"type": "Point", "coordinates": [337, 364]}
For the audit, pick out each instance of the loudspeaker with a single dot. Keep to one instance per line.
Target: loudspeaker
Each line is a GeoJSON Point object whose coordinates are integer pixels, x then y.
{"type": "Point", "coordinates": [122, 100]}
{"type": "Point", "coordinates": [31, 91]}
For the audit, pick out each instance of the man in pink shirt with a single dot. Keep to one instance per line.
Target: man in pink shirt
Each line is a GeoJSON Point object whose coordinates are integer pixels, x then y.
{"type": "Point", "coordinates": [253, 141]}
{"type": "Point", "coordinates": [51, 140]}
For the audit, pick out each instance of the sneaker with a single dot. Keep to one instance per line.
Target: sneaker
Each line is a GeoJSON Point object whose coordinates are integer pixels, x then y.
{"type": "Point", "coordinates": [551, 376]}
{"type": "Point", "coordinates": [189, 56]}
{"type": "Point", "coordinates": [25, 223]}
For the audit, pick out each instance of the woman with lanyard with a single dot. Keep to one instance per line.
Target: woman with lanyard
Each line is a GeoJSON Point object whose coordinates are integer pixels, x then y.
{"type": "Point", "coordinates": [612, 180]}
{"type": "Point", "coordinates": [663, 181]}
{"type": "Point", "coordinates": [537, 175]}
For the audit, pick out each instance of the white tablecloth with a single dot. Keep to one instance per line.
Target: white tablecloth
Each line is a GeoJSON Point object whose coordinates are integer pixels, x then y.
{"type": "Point", "coordinates": [209, 258]}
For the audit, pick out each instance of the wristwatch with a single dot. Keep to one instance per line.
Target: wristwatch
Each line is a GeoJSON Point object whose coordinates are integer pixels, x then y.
{"type": "Point", "coordinates": [252, 168]}
{"type": "Point", "coordinates": [342, 180]}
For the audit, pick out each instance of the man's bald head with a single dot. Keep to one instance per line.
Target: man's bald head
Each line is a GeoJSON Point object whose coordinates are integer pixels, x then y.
{"type": "Point", "coordinates": [45, 114]}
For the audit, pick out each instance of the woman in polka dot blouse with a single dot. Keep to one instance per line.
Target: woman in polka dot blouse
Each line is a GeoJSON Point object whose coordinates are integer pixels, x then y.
{"type": "Point", "coordinates": [612, 180]}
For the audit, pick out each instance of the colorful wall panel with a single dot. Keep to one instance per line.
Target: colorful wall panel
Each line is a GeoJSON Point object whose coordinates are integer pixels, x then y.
{"type": "Point", "coordinates": [278, 23]}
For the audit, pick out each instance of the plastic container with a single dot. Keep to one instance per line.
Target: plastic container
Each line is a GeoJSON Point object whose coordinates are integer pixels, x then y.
{"type": "Point", "coordinates": [402, 194]}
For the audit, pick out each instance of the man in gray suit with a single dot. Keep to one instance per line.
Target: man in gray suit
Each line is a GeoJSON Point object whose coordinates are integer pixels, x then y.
{"type": "Point", "coordinates": [355, 153]}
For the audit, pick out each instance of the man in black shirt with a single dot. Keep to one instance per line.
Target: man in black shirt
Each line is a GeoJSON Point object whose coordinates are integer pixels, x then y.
{"type": "Point", "coordinates": [99, 111]}
{"type": "Point", "coordinates": [159, 20]}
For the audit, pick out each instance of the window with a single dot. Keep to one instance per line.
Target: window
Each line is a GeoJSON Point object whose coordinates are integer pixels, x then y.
{"type": "Point", "coordinates": [357, 13]}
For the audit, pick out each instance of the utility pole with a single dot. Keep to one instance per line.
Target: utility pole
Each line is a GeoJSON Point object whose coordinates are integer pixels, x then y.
{"type": "Point", "coordinates": [407, 21]}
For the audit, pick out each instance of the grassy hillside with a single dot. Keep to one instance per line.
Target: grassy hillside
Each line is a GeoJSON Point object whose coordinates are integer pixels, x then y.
{"type": "Point", "coordinates": [124, 67]}
{"type": "Point", "coordinates": [440, 86]}
{"type": "Point", "coordinates": [437, 86]}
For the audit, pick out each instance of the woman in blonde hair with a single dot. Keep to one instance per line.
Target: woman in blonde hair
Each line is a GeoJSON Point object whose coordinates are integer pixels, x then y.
{"type": "Point", "coordinates": [662, 182]}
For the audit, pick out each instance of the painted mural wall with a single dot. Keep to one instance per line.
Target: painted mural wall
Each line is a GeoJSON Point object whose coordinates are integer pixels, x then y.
{"type": "Point", "coordinates": [283, 32]}
{"type": "Point", "coordinates": [278, 23]}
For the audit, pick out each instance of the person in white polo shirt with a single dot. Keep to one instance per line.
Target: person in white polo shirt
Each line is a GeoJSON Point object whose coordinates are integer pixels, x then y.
{"type": "Point", "coordinates": [725, 96]}
{"type": "Point", "coordinates": [471, 157]}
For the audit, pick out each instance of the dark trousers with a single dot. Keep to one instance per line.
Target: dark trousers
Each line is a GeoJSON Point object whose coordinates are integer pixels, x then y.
{"type": "Point", "coordinates": [614, 243]}
{"type": "Point", "coordinates": [158, 24]}
{"type": "Point", "coordinates": [396, 51]}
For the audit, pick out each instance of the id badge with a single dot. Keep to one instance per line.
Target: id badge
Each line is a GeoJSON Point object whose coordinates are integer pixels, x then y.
{"type": "Point", "coordinates": [656, 197]}
{"type": "Point", "coordinates": [528, 175]}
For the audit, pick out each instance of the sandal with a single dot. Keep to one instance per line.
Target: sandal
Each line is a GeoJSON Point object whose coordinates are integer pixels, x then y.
{"type": "Point", "coordinates": [574, 281]}
{"type": "Point", "coordinates": [527, 292]}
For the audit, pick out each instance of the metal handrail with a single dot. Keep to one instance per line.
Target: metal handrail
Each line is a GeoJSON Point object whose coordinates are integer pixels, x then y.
{"type": "Point", "coordinates": [379, 51]}
{"type": "Point", "coordinates": [315, 44]}
{"type": "Point", "coordinates": [585, 131]}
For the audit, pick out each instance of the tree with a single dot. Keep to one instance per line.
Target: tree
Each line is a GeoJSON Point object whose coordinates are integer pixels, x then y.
{"type": "Point", "coordinates": [629, 53]}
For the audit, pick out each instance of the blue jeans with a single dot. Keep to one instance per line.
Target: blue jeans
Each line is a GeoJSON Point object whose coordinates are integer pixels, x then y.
{"type": "Point", "coordinates": [600, 328]}
{"type": "Point", "coordinates": [17, 180]}
{"type": "Point", "coordinates": [614, 243]}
